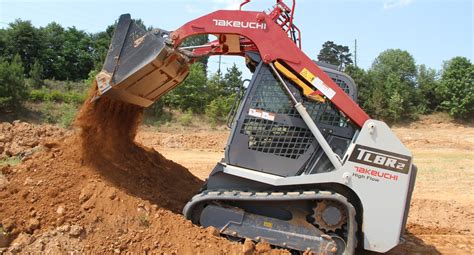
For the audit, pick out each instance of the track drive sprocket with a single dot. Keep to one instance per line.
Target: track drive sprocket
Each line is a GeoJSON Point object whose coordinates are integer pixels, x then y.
{"type": "Point", "coordinates": [329, 215]}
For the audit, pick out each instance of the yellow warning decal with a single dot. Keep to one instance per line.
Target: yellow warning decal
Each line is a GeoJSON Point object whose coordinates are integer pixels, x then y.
{"type": "Point", "coordinates": [307, 75]}
{"type": "Point", "coordinates": [268, 224]}
{"type": "Point", "coordinates": [288, 74]}
{"type": "Point", "coordinates": [307, 91]}
{"type": "Point", "coordinates": [318, 83]}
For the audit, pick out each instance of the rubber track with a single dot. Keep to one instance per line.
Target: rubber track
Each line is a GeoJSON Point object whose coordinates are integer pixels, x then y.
{"type": "Point", "coordinates": [237, 195]}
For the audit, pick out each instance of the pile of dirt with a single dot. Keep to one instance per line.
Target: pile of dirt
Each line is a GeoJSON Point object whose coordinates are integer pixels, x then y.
{"type": "Point", "coordinates": [436, 131]}
{"type": "Point", "coordinates": [437, 226]}
{"type": "Point", "coordinates": [97, 190]}
{"type": "Point", "coordinates": [461, 217]}
{"type": "Point", "coordinates": [21, 138]}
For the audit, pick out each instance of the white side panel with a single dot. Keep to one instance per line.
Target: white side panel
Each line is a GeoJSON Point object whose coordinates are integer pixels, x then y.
{"type": "Point", "coordinates": [382, 189]}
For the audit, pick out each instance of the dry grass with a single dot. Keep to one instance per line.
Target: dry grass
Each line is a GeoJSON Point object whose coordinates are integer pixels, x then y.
{"type": "Point", "coordinates": [444, 174]}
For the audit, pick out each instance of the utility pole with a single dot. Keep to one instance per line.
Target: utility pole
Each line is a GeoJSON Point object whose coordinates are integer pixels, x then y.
{"type": "Point", "coordinates": [219, 69]}
{"type": "Point", "coordinates": [355, 52]}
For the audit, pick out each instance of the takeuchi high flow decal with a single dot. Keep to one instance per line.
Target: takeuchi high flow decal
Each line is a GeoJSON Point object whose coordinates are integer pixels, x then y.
{"type": "Point", "coordinates": [378, 164]}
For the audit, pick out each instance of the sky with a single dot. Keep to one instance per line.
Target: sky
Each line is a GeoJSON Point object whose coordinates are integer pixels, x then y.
{"type": "Point", "coordinates": [433, 31]}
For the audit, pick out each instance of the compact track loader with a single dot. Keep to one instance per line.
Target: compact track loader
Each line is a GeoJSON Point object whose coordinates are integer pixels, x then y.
{"type": "Point", "coordinates": [305, 168]}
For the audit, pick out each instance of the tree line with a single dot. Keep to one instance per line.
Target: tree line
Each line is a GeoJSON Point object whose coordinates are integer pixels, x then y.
{"type": "Point", "coordinates": [29, 55]}
{"type": "Point", "coordinates": [394, 88]}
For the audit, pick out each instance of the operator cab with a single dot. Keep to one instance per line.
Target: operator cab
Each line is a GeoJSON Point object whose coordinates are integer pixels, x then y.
{"type": "Point", "coordinates": [268, 134]}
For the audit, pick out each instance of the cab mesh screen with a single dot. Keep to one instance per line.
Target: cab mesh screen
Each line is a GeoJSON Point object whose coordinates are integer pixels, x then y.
{"type": "Point", "coordinates": [283, 140]}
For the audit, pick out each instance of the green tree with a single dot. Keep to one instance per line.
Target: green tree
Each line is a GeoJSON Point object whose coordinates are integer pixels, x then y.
{"type": "Point", "coordinates": [398, 62]}
{"type": "Point", "coordinates": [233, 80]}
{"type": "Point", "coordinates": [12, 83]}
{"type": "Point", "coordinates": [78, 54]}
{"type": "Point", "coordinates": [141, 24]}
{"type": "Point", "coordinates": [68, 53]}
{"type": "Point", "coordinates": [52, 57]}
{"type": "Point", "coordinates": [335, 54]}
{"type": "Point", "coordinates": [395, 97]}
{"type": "Point", "coordinates": [36, 74]}
{"type": "Point", "coordinates": [22, 39]}
{"type": "Point", "coordinates": [216, 86]}
{"type": "Point", "coordinates": [3, 42]}
{"type": "Point", "coordinates": [378, 101]}
{"type": "Point", "coordinates": [365, 86]}
{"type": "Point", "coordinates": [456, 89]}
{"type": "Point", "coordinates": [101, 42]}
{"type": "Point", "coordinates": [192, 93]}
{"type": "Point", "coordinates": [218, 109]}
{"type": "Point", "coordinates": [427, 81]}
{"type": "Point", "coordinates": [394, 75]}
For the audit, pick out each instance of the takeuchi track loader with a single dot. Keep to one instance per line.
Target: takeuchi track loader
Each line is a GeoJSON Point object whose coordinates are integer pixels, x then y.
{"type": "Point", "coordinates": [305, 168]}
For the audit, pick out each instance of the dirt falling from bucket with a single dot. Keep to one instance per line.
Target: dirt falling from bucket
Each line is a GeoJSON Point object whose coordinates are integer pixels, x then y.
{"type": "Point", "coordinates": [107, 134]}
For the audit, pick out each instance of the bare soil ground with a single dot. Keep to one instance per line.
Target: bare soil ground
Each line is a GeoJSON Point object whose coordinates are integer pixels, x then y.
{"type": "Point", "coordinates": [69, 196]}
{"type": "Point", "coordinates": [441, 218]}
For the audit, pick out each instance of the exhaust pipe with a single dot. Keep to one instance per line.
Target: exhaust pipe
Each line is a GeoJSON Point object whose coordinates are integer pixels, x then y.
{"type": "Point", "coordinates": [140, 67]}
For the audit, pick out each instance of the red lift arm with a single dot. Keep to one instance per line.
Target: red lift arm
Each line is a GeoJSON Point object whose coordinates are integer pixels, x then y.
{"type": "Point", "coordinates": [241, 31]}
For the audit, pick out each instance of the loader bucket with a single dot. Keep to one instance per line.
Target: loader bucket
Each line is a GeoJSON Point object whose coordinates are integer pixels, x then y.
{"type": "Point", "coordinates": [140, 67]}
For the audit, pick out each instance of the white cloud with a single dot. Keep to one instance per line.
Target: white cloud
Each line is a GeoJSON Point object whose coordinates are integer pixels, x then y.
{"type": "Point", "coordinates": [396, 3]}
{"type": "Point", "coordinates": [191, 9]}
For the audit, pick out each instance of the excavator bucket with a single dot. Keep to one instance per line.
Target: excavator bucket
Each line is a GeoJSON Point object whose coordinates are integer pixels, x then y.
{"type": "Point", "coordinates": [140, 67]}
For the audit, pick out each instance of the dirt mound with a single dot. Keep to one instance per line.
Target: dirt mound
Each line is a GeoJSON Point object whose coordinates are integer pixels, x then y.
{"type": "Point", "coordinates": [461, 217]}
{"type": "Point", "coordinates": [202, 141]}
{"type": "Point", "coordinates": [58, 200]}
{"type": "Point", "coordinates": [96, 190]}
{"type": "Point", "coordinates": [436, 131]}
{"type": "Point", "coordinates": [21, 138]}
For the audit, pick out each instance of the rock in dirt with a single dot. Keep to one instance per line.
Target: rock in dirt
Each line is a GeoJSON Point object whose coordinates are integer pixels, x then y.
{"type": "Point", "coordinates": [20, 242]}
{"type": "Point", "coordinates": [213, 231]}
{"type": "Point", "coordinates": [3, 181]}
{"type": "Point", "coordinates": [249, 247]}
{"type": "Point", "coordinates": [263, 247]}
{"type": "Point", "coordinates": [64, 228]}
{"type": "Point", "coordinates": [76, 231]}
{"type": "Point", "coordinates": [61, 210]}
{"type": "Point", "coordinates": [4, 240]}
{"type": "Point", "coordinates": [32, 225]}
{"type": "Point", "coordinates": [28, 181]}
{"type": "Point", "coordinates": [8, 224]}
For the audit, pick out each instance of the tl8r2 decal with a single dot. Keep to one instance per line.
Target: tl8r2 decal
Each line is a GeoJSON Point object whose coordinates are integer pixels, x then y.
{"type": "Point", "coordinates": [381, 159]}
